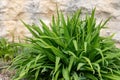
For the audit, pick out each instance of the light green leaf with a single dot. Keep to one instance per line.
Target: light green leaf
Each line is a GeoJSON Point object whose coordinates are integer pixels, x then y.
{"type": "Point", "coordinates": [80, 65]}
{"type": "Point", "coordinates": [65, 73]}
{"type": "Point", "coordinates": [75, 45]}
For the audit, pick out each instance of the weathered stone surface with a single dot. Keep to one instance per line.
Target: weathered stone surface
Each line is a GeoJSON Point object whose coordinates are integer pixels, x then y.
{"type": "Point", "coordinates": [11, 11]}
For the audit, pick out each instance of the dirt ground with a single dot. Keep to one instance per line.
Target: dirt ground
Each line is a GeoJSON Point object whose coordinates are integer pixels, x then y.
{"type": "Point", "coordinates": [4, 77]}
{"type": "Point", "coordinates": [5, 74]}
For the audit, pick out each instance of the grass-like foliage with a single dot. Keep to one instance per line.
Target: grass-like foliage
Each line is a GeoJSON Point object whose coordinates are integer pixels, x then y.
{"type": "Point", "coordinates": [7, 49]}
{"type": "Point", "coordinates": [70, 49]}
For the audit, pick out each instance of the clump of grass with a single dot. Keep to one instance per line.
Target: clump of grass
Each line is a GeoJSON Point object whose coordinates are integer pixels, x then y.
{"type": "Point", "coordinates": [7, 49]}
{"type": "Point", "coordinates": [71, 49]}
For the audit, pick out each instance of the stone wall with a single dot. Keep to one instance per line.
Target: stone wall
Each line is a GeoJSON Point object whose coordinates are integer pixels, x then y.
{"type": "Point", "coordinates": [30, 11]}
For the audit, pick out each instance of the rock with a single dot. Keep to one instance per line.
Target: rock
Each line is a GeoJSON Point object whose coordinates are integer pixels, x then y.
{"type": "Point", "coordinates": [11, 11]}
{"type": "Point", "coordinates": [0, 78]}
{"type": "Point", "coordinates": [3, 77]}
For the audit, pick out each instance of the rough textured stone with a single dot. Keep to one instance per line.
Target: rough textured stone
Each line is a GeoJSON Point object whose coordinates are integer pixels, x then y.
{"type": "Point", "coordinates": [11, 11]}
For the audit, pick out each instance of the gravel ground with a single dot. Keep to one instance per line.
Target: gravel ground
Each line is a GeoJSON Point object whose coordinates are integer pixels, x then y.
{"type": "Point", "coordinates": [4, 77]}
{"type": "Point", "coordinates": [4, 73]}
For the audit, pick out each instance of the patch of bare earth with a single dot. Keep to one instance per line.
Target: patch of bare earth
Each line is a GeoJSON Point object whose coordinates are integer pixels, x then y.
{"type": "Point", "coordinates": [5, 74]}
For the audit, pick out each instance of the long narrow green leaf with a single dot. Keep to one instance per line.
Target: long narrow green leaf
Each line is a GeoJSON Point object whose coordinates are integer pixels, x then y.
{"type": "Point", "coordinates": [100, 51]}
{"type": "Point", "coordinates": [29, 27]}
{"type": "Point", "coordinates": [75, 45]}
{"type": "Point", "coordinates": [71, 63]}
{"type": "Point", "coordinates": [36, 74]}
{"type": "Point", "coordinates": [80, 65]}
{"type": "Point", "coordinates": [89, 62]}
{"type": "Point", "coordinates": [90, 76]}
{"type": "Point", "coordinates": [57, 65]}
{"type": "Point", "coordinates": [65, 73]}
{"type": "Point", "coordinates": [58, 53]}
{"type": "Point", "coordinates": [75, 76]}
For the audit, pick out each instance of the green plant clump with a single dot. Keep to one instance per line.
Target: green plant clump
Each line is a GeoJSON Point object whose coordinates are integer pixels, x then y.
{"type": "Point", "coordinates": [70, 49]}
{"type": "Point", "coordinates": [7, 49]}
